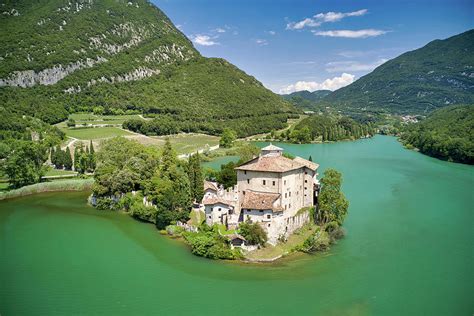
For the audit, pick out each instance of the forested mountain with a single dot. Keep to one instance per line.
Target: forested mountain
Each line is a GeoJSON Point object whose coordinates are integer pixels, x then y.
{"type": "Point", "coordinates": [417, 82]}
{"type": "Point", "coordinates": [304, 99]}
{"type": "Point", "coordinates": [59, 57]}
{"type": "Point", "coordinates": [447, 133]}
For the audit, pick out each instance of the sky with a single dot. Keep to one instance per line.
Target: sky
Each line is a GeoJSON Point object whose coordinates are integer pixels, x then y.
{"type": "Point", "coordinates": [313, 45]}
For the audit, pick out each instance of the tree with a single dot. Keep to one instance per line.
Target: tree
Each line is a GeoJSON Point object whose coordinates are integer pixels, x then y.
{"type": "Point", "coordinates": [171, 193]}
{"type": "Point", "coordinates": [168, 156]}
{"type": "Point", "coordinates": [195, 176]}
{"type": "Point", "coordinates": [227, 176]}
{"type": "Point", "coordinates": [333, 204]}
{"type": "Point", "coordinates": [253, 233]}
{"type": "Point", "coordinates": [227, 138]}
{"type": "Point", "coordinates": [24, 165]}
{"type": "Point", "coordinates": [123, 166]}
{"type": "Point", "coordinates": [68, 159]}
{"type": "Point", "coordinates": [310, 158]}
{"type": "Point", "coordinates": [91, 158]}
{"type": "Point", "coordinates": [71, 123]}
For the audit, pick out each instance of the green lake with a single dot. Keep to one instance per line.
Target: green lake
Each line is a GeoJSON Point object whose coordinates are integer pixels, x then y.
{"type": "Point", "coordinates": [408, 251]}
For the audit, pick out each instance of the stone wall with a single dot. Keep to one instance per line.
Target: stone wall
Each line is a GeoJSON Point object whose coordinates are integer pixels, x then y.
{"type": "Point", "coordinates": [282, 227]}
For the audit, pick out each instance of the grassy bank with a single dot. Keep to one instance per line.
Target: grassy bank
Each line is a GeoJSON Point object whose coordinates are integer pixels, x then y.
{"type": "Point", "coordinates": [59, 185]}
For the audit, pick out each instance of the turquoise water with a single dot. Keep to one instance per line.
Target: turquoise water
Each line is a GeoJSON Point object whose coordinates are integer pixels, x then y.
{"type": "Point", "coordinates": [217, 162]}
{"type": "Point", "coordinates": [408, 251]}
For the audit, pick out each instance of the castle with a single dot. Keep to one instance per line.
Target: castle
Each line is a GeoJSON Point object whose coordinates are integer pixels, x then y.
{"type": "Point", "coordinates": [271, 190]}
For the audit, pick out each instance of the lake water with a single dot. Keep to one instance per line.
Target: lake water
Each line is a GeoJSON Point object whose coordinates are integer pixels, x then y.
{"type": "Point", "coordinates": [408, 251]}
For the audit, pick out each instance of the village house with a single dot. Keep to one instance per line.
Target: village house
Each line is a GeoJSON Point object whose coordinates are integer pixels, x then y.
{"type": "Point", "coordinates": [271, 190]}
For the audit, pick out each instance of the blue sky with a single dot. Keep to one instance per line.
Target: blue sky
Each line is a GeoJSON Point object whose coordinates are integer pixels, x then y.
{"type": "Point", "coordinates": [313, 45]}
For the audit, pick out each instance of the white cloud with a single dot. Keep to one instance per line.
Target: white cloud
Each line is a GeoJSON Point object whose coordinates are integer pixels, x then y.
{"type": "Point", "coordinates": [350, 33]}
{"type": "Point", "coordinates": [179, 27]}
{"type": "Point", "coordinates": [301, 24]}
{"type": "Point", "coordinates": [261, 42]}
{"type": "Point", "coordinates": [219, 30]}
{"type": "Point", "coordinates": [321, 18]}
{"type": "Point", "coordinates": [271, 32]}
{"type": "Point", "coordinates": [328, 84]}
{"type": "Point", "coordinates": [340, 66]}
{"type": "Point", "coordinates": [204, 40]}
{"type": "Point", "coordinates": [337, 16]}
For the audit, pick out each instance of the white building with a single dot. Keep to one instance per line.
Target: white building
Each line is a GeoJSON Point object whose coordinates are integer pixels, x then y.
{"type": "Point", "coordinates": [270, 190]}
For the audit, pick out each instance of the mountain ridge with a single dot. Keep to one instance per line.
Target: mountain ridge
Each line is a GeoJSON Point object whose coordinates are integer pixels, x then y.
{"type": "Point", "coordinates": [61, 57]}
{"type": "Point", "coordinates": [438, 74]}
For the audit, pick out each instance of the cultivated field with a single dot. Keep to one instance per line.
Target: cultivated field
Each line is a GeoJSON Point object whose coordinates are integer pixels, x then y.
{"type": "Point", "coordinates": [95, 133]}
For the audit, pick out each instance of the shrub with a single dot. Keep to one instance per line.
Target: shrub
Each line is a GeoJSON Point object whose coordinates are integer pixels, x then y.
{"type": "Point", "coordinates": [253, 233]}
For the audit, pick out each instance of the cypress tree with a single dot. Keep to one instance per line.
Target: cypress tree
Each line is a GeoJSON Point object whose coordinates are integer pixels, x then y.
{"type": "Point", "coordinates": [67, 159]}
{"type": "Point", "coordinates": [92, 161]}
{"type": "Point", "coordinates": [310, 158]}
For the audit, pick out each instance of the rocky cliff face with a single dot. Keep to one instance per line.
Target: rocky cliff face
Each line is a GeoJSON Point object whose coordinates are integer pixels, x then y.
{"type": "Point", "coordinates": [74, 55]}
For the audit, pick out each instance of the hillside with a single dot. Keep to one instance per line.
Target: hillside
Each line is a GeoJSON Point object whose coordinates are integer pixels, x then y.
{"type": "Point", "coordinates": [436, 75]}
{"type": "Point", "coordinates": [62, 57]}
{"type": "Point", "coordinates": [447, 134]}
{"type": "Point", "coordinates": [304, 99]}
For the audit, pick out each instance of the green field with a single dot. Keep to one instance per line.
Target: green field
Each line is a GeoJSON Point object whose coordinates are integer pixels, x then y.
{"type": "Point", "coordinates": [188, 143]}
{"type": "Point", "coordinates": [95, 133]}
{"type": "Point", "coordinates": [93, 119]}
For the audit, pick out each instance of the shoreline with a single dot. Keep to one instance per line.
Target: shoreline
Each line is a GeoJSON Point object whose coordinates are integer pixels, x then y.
{"type": "Point", "coordinates": [42, 187]}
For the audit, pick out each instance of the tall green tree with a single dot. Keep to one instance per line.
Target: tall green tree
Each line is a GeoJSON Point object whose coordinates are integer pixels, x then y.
{"type": "Point", "coordinates": [333, 205]}
{"type": "Point", "coordinates": [67, 159]}
{"type": "Point", "coordinates": [227, 138]}
{"type": "Point", "coordinates": [196, 179]}
{"type": "Point", "coordinates": [168, 157]}
{"type": "Point", "coordinates": [25, 164]}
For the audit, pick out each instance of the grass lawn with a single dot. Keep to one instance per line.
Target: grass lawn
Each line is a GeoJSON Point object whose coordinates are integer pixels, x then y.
{"type": "Point", "coordinates": [59, 172]}
{"type": "Point", "coordinates": [223, 230]}
{"type": "Point", "coordinates": [188, 143]}
{"type": "Point", "coordinates": [95, 133]}
{"type": "Point", "coordinates": [3, 186]}
{"type": "Point", "coordinates": [294, 240]}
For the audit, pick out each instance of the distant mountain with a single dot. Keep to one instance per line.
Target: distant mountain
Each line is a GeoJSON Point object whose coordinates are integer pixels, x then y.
{"type": "Point", "coordinates": [436, 75]}
{"type": "Point", "coordinates": [305, 99]}
{"type": "Point", "coordinates": [59, 57]}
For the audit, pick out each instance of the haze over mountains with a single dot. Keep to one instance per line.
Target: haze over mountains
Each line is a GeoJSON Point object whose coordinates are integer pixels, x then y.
{"type": "Point", "coordinates": [417, 82]}
{"type": "Point", "coordinates": [59, 57]}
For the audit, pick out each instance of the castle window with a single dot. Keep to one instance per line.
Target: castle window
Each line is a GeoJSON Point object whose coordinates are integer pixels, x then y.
{"type": "Point", "coordinates": [285, 206]}
{"type": "Point", "coordinates": [289, 206]}
{"type": "Point", "coordinates": [306, 172]}
{"type": "Point", "coordinates": [248, 181]}
{"type": "Point", "coordinates": [305, 181]}
{"type": "Point", "coordinates": [243, 192]}
{"type": "Point", "coordinates": [219, 209]}
{"type": "Point", "coordinates": [284, 182]}
{"type": "Point", "coordinates": [261, 211]}
{"type": "Point", "coordinates": [269, 216]}
{"type": "Point", "coordinates": [268, 225]}
{"type": "Point", "coordinates": [264, 182]}
{"type": "Point", "coordinates": [286, 195]}
{"type": "Point", "coordinates": [245, 171]}
{"type": "Point", "coordinates": [273, 183]}
{"type": "Point", "coordinates": [289, 194]}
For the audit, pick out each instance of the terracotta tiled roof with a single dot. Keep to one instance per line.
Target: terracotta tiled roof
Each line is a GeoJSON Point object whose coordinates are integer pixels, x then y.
{"type": "Point", "coordinates": [277, 164]}
{"type": "Point", "coordinates": [259, 200]}
{"type": "Point", "coordinates": [270, 164]}
{"type": "Point", "coordinates": [210, 185]}
{"type": "Point", "coordinates": [216, 200]}
{"type": "Point", "coordinates": [309, 164]}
